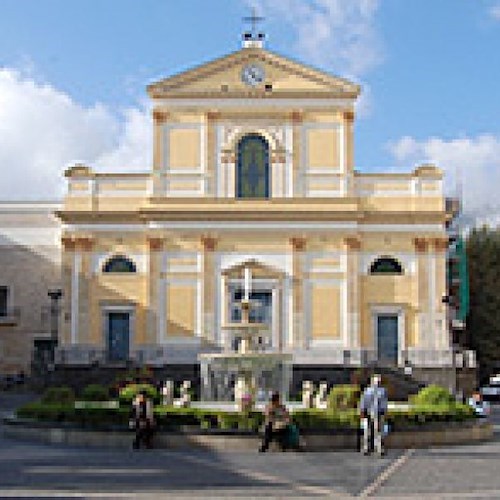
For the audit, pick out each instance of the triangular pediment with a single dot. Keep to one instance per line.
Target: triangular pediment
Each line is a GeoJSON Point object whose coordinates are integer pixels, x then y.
{"type": "Point", "coordinates": [281, 76]}
{"type": "Point", "coordinates": [259, 270]}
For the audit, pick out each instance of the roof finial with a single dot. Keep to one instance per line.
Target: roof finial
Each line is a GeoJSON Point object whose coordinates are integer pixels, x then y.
{"type": "Point", "coordinates": [253, 38]}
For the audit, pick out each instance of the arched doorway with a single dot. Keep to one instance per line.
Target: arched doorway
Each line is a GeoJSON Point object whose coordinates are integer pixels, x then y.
{"type": "Point", "coordinates": [253, 173]}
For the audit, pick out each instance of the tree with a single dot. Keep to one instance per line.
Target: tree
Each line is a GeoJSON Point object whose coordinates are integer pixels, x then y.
{"type": "Point", "coordinates": [483, 325]}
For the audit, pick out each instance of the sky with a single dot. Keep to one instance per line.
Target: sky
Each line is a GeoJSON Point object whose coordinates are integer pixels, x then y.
{"type": "Point", "coordinates": [73, 77]}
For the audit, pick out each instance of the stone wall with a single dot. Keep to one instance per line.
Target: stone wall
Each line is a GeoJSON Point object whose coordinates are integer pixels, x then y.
{"type": "Point", "coordinates": [29, 267]}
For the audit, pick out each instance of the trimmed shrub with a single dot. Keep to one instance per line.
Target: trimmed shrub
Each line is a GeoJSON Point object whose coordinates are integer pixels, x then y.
{"type": "Point", "coordinates": [57, 395]}
{"type": "Point", "coordinates": [95, 392]}
{"type": "Point", "coordinates": [128, 393]}
{"type": "Point", "coordinates": [344, 397]}
{"type": "Point", "coordinates": [323, 420]}
{"type": "Point", "coordinates": [432, 395]}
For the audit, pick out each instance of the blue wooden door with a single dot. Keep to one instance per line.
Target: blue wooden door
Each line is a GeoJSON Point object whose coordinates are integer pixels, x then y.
{"type": "Point", "coordinates": [387, 339]}
{"type": "Point", "coordinates": [118, 336]}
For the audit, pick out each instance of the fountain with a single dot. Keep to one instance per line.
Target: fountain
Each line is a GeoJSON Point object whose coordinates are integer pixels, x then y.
{"type": "Point", "coordinates": [245, 373]}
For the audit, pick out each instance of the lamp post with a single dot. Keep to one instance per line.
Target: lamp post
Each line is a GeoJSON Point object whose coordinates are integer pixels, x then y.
{"type": "Point", "coordinates": [55, 295]}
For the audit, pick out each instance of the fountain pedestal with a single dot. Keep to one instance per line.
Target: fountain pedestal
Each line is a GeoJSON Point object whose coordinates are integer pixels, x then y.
{"type": "Point", "coordinates": [247, 373]}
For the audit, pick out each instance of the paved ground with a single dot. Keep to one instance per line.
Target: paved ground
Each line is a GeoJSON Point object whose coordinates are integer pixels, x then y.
{"type": "Point", "coordinates": [33, 470]}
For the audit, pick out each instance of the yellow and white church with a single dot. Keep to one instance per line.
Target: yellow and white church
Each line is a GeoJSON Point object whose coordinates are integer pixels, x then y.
{"type": "Point", "coordinates": [253, 168]}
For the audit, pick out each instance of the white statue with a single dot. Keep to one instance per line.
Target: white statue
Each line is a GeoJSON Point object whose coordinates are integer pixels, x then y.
{"type": "Point", "coordinates": [320, 400]}
{"type": "Point", "coordinates": [185, 399]}
{"type": "Point", "coordinates": [307, 393]}
{"type": "Point", "coordinates": [167, 393]}
{"type": "Point", "coordinates": [239, 392]}
{"type": "Point", "coordinates": [243, 394]}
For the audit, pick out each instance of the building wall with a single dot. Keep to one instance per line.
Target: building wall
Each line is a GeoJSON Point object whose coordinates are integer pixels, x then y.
{"type": "Point", "coordinates": [29, 267]}
{"type": "Point", "coordinates": [311, 243]}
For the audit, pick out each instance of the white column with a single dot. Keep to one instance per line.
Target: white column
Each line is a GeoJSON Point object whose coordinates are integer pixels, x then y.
{"type": "Point", "coordinates": [275, 318]}
{"type": "Point", "coordinates": [222, 309]}
{"type": "Point", "coordinates": [162, 301]}
{"type": "Point", "coordinates": [288, 170]}
{"type": "Point", "coordinates": [219, 166]}
{"type": "Point", "coordinates": [431, 264]}
{"type": "Point", "coordinates": [287, 312]}
{"type": "Point", "coordinates": [75, 290]}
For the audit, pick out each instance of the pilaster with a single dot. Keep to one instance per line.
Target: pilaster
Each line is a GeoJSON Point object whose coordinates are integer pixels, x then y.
{"type": "Point", "coordinates": [424, 328]}
{"type": "Point", "coordinates": [348, 156]}
{"type": "Point", "coordinates": [160, 117]}
{"type": "Point", "coordinates": [442, 340]}
{"type": "Point", "coordinates": [85, 246]}
{"type": "Point", "coordinates": [212, 119]}
{"type": "Point", "coordinates": [155, 248]}
{"type": "Point", "coordinates": [209, 244]}
{"type": "Point", "coordinates": [298, 245]}
{"type": "Point", "coordinates": [352, 249]}
{"type": "Point", "coordinates": [68, 247]}
{"type": "Point", "coordinates": [298, 187]}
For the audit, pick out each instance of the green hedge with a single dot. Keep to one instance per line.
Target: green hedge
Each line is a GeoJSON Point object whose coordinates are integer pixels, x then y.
{"type": "Point", "coordinates": [432, 395]}
{"type": "Point", "coordinates": [58, 395]}
{"type": "Point", "coordinates": [95, 392]}
{"type": "Point", "coordinates": [128, 393]}
{"type": "Point", "coordinates": [344, 397]}
{"type": "Point", "coordinates": [169, 418]}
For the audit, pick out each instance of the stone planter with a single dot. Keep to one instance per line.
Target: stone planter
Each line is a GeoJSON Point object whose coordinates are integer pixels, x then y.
{"type": "Point", "coordinates": [233, 440]}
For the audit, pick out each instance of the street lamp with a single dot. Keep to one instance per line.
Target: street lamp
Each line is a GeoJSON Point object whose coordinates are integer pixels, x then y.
{"type": "Point", "coordinates": [55, 295]}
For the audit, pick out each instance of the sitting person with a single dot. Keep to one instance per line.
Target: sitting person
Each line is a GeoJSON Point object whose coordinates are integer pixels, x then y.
{"type": "Point", "coordinates": [276, 423]}
{"type": "Point", "coordinates": [481, 408]}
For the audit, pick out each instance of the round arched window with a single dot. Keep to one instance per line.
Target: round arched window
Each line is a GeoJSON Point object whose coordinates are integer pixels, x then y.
{"type": "Point", "coordinates": [119, 264]}
{"type": "Point", "coordinates": [253, 178]}
{"type": "Point", "coordinates": [386, 265]}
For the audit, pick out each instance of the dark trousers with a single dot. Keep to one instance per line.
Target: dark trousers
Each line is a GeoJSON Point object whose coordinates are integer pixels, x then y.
{"type": "Point", "coordinates": [143, 434]}
{"type": "Point", "coordinates": [271, 434]}
{"type": "Point", "coordinates": [373, 434]}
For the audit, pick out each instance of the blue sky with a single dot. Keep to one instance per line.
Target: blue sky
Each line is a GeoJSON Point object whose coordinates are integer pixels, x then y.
{"type": "Point", "coordinates": [430, 70]}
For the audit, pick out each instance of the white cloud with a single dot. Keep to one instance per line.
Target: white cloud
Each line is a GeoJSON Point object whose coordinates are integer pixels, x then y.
{"type": "Point", "coordinates": [332, 33]}
{"type": "Point", "coordinates": [338, 35]}
{"type": "Point", "coordinates": [475, 159]}
{"type": "Point", "coordinates": [43, 131]}
{"type": "Point", "coordinates": [494, 11]}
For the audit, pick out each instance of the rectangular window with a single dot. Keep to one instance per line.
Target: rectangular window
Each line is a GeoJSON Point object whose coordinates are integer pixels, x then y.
{"type": "Point", "coordinates": [4, 292]}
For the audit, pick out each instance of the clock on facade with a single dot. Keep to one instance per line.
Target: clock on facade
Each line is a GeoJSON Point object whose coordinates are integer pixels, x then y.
{"type": "Point", "coordinates": [252, 74]}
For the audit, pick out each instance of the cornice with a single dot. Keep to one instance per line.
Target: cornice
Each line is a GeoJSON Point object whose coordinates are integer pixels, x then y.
{"type": "Point", "coordinates": [168, 85]}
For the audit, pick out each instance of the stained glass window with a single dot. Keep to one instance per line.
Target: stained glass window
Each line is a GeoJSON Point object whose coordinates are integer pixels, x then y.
{"type": "Point", "coordinates": [119, 264]}
{"type": "Point", "coordinates": [253, 176]}
{"type": "Point", "coordinates": [386, 265]}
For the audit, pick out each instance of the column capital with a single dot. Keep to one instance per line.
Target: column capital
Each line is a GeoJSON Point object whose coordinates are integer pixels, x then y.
{"type": "Point", "coordinates": [85, 243]}
{"type": "Point", "coordinates": [297, 117]}
{"type": "Point", "coordinates": [228, 156]}
{"type": "Point", "coordinates": [352, 243]}
{"type": "Point", "coordinates": [349, 116]}
{"type": "Point", "coordinates": [155, 243]}
{"type": "Point", "coordinates": [209, 243]}
{"type": "Point", "coordinates": [68, 243]}
{"type": "Point", "coordinates": [440, 244]}
{"type": "Point", "coordinates": [213, 115]}
{"type": "Point", "coordinates": [421, 244]}
{"type": "Point", "coordinates": [278, 157]}
{"type": "Point", "coordinates": [160, 116]}
{"type": "Point", "coordinates": [298, 243]}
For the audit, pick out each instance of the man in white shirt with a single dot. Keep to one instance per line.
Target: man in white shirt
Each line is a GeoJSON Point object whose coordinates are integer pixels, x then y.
{"type": "Point", "coordinates": [373, 408]}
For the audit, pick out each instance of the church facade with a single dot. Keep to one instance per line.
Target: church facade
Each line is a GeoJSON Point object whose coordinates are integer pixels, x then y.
{"type": "Point", "coordinates": [253, 169]}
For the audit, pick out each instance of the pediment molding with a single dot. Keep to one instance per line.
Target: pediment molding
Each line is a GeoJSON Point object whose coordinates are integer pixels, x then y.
{"type": "Point", "coordinates": [179, 85]}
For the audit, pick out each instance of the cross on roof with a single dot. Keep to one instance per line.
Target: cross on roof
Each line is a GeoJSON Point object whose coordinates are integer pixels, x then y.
{"type": "Point", "coordinates": [254, 19]}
